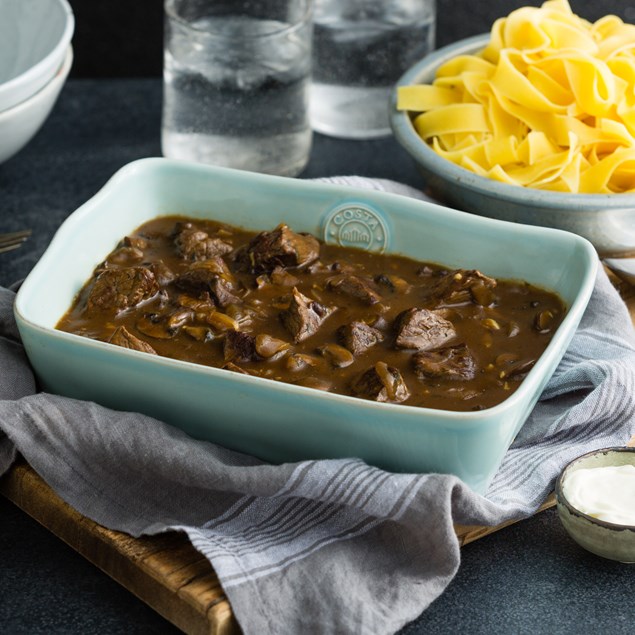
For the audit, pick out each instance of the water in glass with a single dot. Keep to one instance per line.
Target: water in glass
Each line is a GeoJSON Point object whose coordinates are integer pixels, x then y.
{"type": "Point", "coordinates": [360, 49]}
{"type": "Point", "coordinates": [236, 92]}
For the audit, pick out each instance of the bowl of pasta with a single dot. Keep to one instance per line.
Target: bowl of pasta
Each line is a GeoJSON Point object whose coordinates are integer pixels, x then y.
{"type": "Point", "coordinates": [533, 122]}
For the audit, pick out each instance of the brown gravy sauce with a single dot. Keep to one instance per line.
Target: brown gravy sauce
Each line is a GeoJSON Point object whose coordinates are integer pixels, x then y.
{"type": "Point", "coordinates": [283, 306]}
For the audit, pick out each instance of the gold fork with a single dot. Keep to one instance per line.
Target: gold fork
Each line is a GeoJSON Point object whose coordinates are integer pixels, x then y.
{"type": "Point", "coordinates": [13, 240]}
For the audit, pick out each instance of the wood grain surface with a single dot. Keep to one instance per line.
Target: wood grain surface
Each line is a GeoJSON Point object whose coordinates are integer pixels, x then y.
{"type": "Point", "coordinates": [164, 571]}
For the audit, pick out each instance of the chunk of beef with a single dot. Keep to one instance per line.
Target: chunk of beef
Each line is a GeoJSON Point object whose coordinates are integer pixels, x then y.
{"type": "Point", "coordinates": [381, 383]}
{"type": "Point", "coordinates": [194, 244]}
{"type": "Point", "coordinates": [452, 362]}
{"type": "Point", "coordinates": [122, 289]}
{"type": "Point", "coordinates": [462, 286]}
{"type": "Point", "coordinates": [222, 291]}
{"type": "Point", "coordinates": [129, 251]}
{"type": "Point", "coordinates": [134, 241]}
{"type": "Point", "coordinates": [355, 287]}
{"type": "Point", "coordinates": [304, 316]}
{"type": "Point", "coordinates": [280, 248]}
{"type": "Point", "coordinates": [239, 347]}
{"type": "Point", "coordinates": [124, 338]}
{"type": "Point", "coordinates": [282, 277]}
{"type": "Point", "coordinates": [163, 274]}
{"type": "Point", "coordinates": [358, 337]}
{"type": "Point", "coordinates": [212, 277]}
{"type": "Point", "coordinates": [123, 256]}
{"type": "Point", "coordinates": [422, 329]}
{"type": "Point", "coordinates": [279, 276]}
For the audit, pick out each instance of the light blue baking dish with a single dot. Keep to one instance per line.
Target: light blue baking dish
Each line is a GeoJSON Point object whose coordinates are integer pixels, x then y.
{"type": "Point", "coordinates": [275, 421]}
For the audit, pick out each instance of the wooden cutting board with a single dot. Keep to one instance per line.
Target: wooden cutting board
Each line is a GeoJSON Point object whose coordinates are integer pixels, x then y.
{"type": "Point", "coordinates": [164, 571]}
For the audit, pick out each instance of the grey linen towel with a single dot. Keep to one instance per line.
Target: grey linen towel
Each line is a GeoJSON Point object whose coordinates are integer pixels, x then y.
{"type": "Point", "coordinates": [318, 546]}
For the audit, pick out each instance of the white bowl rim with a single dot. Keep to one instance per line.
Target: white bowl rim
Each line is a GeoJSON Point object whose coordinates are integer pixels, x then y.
{"type": "Point", "coordinates": [51, 85]}
{"type": "Point", "coordinates": [42, 68]}
{"type": "Point", "coordinates": [404, 132]}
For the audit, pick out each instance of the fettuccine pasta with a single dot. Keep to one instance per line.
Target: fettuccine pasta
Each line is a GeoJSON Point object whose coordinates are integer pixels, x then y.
{"type": "Point", "coordinates": [548, 104]}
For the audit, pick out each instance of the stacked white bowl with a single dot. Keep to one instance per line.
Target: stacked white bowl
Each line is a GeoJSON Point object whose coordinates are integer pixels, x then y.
{"type": "Point", "coordinates": [35, 59]}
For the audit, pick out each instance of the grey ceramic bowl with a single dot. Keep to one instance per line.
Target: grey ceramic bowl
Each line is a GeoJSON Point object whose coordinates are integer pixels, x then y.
{"type": "Point", "coordinates": [609, 540]}
{"type": "Point", "coordinates": [607, 220]}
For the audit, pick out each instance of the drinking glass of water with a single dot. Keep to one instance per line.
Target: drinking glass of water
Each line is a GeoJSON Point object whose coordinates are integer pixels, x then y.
{"type": "Point", "coordinates": [360, 49]}
{"type": "Point", "coordinates": [236, 83]}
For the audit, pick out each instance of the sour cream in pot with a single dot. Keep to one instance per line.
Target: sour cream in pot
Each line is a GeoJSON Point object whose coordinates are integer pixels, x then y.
{"type": "Point", "coordinates": [606, 493]}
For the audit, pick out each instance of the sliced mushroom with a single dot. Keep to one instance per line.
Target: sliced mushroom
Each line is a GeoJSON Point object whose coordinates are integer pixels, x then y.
{"type": "Point", "coordinates": [270, 347]}
{"type": "Point", "coordinates": [124, 338]}
{"type": "Point", "coordinates": [339, 356]}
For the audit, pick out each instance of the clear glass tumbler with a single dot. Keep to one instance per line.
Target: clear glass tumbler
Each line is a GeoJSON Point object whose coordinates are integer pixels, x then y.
{"type": "Point", "coordinates": [236, 83]}
{"type": "Point", "coordinates": [360, 49]}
